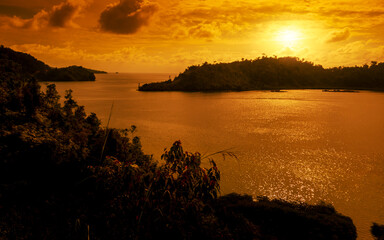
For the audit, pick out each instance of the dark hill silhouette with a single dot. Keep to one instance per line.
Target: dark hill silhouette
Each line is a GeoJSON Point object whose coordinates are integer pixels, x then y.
{"type": "Point", "coordinates": [269, 73]}
{"type": "Point", "coordinates": [63, 176]}
{"type": "Point", "coordinates": [28, 63]}
{"type": "Point", "coordinates": [32, 67]}
{"type": "Point", "coordinates": [96, 71]}
{"type": "Point", "coordinates": [72, 73]}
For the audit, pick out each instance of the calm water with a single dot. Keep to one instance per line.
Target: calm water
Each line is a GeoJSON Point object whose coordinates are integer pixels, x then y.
{"type": "Point", "coordinates": [304, 145]}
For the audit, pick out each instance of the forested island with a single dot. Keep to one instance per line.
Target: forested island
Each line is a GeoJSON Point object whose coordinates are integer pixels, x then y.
{"type": "Point", "coordinates": [96, 71]}
{"type": "Point", "coordinates": [272, 73]}
{"type": "Point", "coordinates": [42, 72]}
{"type": "Point", "coordinates": [64, 176]}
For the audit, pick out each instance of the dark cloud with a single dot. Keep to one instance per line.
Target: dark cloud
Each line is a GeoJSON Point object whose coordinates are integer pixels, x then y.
{"type": "Point", "coordinates": [58, 16]}
{"type": "Point", "coordinates": [127, 16]}
{"type": "Point", "coordinates": [62, 14]}
{"type": "Point", "coordinates": [10, 10]}
{"type": "Point", "coordinates": [339, 36]}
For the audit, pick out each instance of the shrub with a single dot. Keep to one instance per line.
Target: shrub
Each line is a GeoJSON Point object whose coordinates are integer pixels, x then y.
{"type": "Point", "coordinates": [62, 176]}
{"type": "Point", "coordinates": [377, 231]}
{"type": "Point", "coordinates": [170, 199]}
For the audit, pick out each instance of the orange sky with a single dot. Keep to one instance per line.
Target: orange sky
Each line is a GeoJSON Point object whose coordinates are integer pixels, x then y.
{"type": "Point", "coordinates": [169, 35]}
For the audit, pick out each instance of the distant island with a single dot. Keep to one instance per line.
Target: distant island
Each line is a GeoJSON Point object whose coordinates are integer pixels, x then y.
{"type": "Point", "coordinates": [272, 73]}
{"type": "Point", "coordinates": [96, 71]}
{"type": "Point", "coordinates": [64, 176]}
{"type": "Point", "coordinates": [31, 67]}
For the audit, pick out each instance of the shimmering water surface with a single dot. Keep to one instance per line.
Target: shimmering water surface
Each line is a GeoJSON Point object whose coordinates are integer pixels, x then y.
{"type": "Point", "coordinates": [304, 145]}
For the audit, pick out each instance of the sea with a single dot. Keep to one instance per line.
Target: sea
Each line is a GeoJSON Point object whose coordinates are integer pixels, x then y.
{"type": "Point", "coordinates": [297, 145]}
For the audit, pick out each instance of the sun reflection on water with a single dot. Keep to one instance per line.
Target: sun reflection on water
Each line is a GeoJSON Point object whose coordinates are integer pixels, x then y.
{"type": "Point", "coordinates": [299, 145]}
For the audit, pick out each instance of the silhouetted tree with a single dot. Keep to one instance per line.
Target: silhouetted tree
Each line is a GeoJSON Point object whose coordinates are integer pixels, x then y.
{"type": "Point", "coordinates": [271, 73]}
{"type": "Point", "coordinates": [377, 231]}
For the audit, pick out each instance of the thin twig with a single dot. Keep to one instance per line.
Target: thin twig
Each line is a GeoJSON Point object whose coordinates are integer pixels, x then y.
{"type": "Point", "coordinates": [225, 152]}
{"type": "Point", "coordinates": [107, 131]}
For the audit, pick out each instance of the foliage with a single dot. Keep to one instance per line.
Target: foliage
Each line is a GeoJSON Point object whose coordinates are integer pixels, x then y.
{"type": "Point", "coordinates": [31, 67]}
{"type": "Point", "coordinates": [278, 219]}
{"type": "Point", "coordinates": [168, 199]}
{"type": "Point", "coordinates": [377, 231]}
{"type": "Point", "coordinates": [72, 73]}
{"type": "Point", "coordinates": [96, 71]}
{"type": "Point", "coordinates": [271, 73]}
{"type": "Point", "coordinates": [45, 148]}
{"type": "Point", "coordinates": [187, 179]}
{"type": "Point", "coordinates": [61, 173]}
{"type": "Point", "coordinates": [62, 176]}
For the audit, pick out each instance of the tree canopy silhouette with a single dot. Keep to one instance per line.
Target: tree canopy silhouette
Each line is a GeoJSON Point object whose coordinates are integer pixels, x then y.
{"type": "Point", "coordinates": [268, 73]}
{"type": "Point", "coordinates": [30, 66]}
{"type": "Point", "coordinates": [63, 176]}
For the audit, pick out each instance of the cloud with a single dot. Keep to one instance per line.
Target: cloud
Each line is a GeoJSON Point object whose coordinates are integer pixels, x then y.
{"type": "Point", "coordinates": [17, 11]}
{"type": "Point", "coordinates": [58, 16]}
{"type": "Point", "coordinates": [339, 36]}
{"type": "Point", "coordinates": [73, 55]}
{"type": "Point", "coordinates": [353, 53]}
{"type": "Point", "coordinates": [210, 20]}
{"type": "Point", "coordinates": [62, 14]}
{"type": "Point", "coordinates": [352, 13]}
{"type": "Point", "coordinates": [38, 21]}
{"type": "Point", "coordinates": [126, 16]}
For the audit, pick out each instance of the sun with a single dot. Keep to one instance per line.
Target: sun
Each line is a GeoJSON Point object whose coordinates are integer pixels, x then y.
{"type": "Point", "coordinates": [288, 37]}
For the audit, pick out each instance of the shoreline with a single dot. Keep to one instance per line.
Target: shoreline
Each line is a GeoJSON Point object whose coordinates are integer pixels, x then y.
{"type": "Point", "coordinates": [356, 90]}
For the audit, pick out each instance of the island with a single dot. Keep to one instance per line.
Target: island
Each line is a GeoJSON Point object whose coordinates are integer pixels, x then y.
{"type": "Point", "coordinates": [30, 66]}
{"type": "Point", "coordinates": [64, 176]}
{"type": "Point", "coordinates": [72, 73]}
{"type": "Point", "coordinates": [272, 73]}
{"type": "Point", "coordinates": [96, 71]}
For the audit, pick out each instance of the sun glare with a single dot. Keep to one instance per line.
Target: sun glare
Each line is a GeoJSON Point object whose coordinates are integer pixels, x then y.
{"type": "Point", "coordinates": [288, 37]}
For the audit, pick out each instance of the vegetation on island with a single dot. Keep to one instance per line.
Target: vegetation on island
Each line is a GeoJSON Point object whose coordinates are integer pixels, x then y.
{"type": "Point", "coordinates": [377, 231]}
{"type": "Point", "coordinates": [63, 176]}
{"type": "Point", "coordinates": [96, 71]}
{"type": "Point", "coordinates": [270, 73]}
{"type": "Point", "coordinates": [72, 73]}
{"type": "Point", "coordinates": [32, 67]}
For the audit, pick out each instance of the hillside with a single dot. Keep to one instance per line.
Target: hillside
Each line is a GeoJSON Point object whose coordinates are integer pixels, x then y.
{"type": "Point", "coordinates": [63, 176]}
{"type": "Point", "coordinates": [269, 73]}
{"type": "Point", "coordinates": [96, 71]}
{"type": "Point", "coordinates": [29, 64]}
{"type": "Point", "coordinates": [72, 73]}
{"type": "Point", "coordinates": [32, 67]}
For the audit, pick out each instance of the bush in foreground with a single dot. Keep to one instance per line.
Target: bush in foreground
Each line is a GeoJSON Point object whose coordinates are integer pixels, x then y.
{"type": "Point", "coordinates": [62, 176]}
{"type": "Point", "coordinates": [377, 231]}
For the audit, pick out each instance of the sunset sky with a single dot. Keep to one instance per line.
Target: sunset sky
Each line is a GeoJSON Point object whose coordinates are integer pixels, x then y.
{"type": "Point", "coordinates": [169, 35]}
